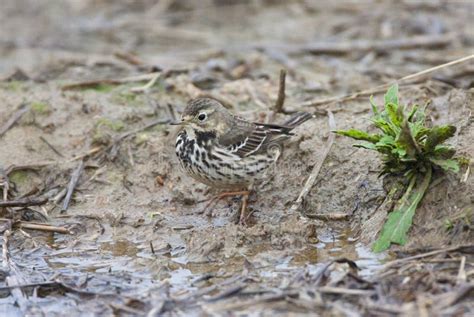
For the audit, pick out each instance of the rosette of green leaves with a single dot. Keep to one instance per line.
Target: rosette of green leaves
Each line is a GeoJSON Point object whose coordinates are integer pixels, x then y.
{"type": "Point", "coordinates": [410, 148]}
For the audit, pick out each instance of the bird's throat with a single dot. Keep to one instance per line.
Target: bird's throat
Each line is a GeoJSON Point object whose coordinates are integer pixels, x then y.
{"type": "Point", "coordinates": [204, 137]}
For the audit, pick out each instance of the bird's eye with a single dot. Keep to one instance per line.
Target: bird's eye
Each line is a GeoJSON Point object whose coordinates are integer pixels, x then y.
{"type": "Point", "coordinates": [202, 117]}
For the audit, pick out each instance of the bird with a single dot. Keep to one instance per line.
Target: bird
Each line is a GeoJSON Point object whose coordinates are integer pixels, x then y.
{"type": "Point", "coordinates": [227, 152]}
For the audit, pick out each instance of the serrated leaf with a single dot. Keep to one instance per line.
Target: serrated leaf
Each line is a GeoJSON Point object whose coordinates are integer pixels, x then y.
{"type": "Point", "coordinates": [399, 221]}
{"type": "Point", "coordinates": [400, 152]}
{"type": "Point", "coordinates": [374, 106]}
{"type": "Point", "coordinates": [443, 152]}
{"type": "Point", "coordinates": [412, 113]}
{"type": "Point", "coordinates": [438, 135]}
{"type": "Point", "coordinates": [419, 131]}
{"type": "Point", "coordinates": [420, 116]}
{"type": "Point", "coordinates": [394, 113]}
{"type": "Point", "coordinates": [391, 97]}
{"type": "Point", "coordinates": [447, 165]}
{"type": "Point", "coordinates": [359, 135]}
{"type": "Point", "coordinates": [407, 159]}
{"type": "Point", "coordinates": [387, 140]}
{"type": "Point", "coordinates": [386, 144]}
{"type": "Point", "coordinates": [406, 141]}
{"type": "Point", "coordinates": [384, 126]}
{"type": "Point", "coordinates": [366, 145]}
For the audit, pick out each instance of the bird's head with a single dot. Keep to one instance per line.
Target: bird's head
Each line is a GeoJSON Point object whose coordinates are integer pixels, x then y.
{"type": "Point", "coordinates": [205, 115]}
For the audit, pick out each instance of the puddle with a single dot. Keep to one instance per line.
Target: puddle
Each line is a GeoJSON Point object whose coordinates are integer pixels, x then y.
{"type": "Point", "coordinates": [271, 263]}
{"type": "Point", "coordinates": [120, 248]}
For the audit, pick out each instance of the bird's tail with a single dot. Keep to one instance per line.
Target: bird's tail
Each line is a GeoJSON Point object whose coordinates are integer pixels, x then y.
{"type": "Point", "coordinates": [297, 119]}
{"type": "Point", "coordinates": [285, 128]}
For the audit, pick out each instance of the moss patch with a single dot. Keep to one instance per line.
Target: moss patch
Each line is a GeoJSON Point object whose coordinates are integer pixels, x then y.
{"type": "Point", "coordinates": [20, 178]}
{"type": "Point", "coordinates": [39, 107]}
{"type": "Point", "coordinates": [115, 125]}
{"type": "Point", "coordinates": [14, 85]}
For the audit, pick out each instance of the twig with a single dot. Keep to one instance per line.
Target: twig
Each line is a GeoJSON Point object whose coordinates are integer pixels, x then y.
{"type": "Point", "coordinates": [435, 68]}
{"type": "Point", "coordinates": [147, 86]}
{"type": "Point", "coordinates": [13, 119]}
{"type": "Point", "coordinates": [171, 112]}
{"type": "Point", "coordinates": [27, 235]}
{"type": "Point", "coordinates": [51, 146]}
{"type": "Point", "coordinates": [332, 216]}
{"type": "Point", "coordinates": [453, 298]}
{"type": "Point", "coordinates": [96, 82]}
{"type": "Point", "coordinates": [5, 253]}
{"type": "Point", "coordinates": [129, 58]}
{"type": "Point", "coordinates": [34, 166]}
{"type": "Point", "coordinates": [345, 291]}
{"type": "Point", "coordinates": [383, 87]}
{"type": "Point", "coordinates": [14, 276]}
{"type": "Point", "coordinates": [91, 84]}
{"type": "Point", "coordinates": [466, 175]}
{"type": "Point", "coordinates": [236, 305]}
{"type": "Point", "coordinates": [29, 288]}
{"type": "Point", "coordinates": [56, 199]}
{"type": "Point", "coordinates": [462, 270]}
{"type": "Point", "coordinates": [347, 47]}
{"type": "Point", "coordinates": [314, 173]}
{"type": "Point", "coordinates": [130, 155]}
{"type": "Point", "coordinates": [422, 255]}
{"type": "Point", "coordinates": [233, 290]}
{"type": "Point", "coordinates": [25, 202]}
{"type": "Point", "coordinates": [129, 311]}
{"type": "Point", "coordinates": [4, 182]}
{"type": "Point", "coordinates": [43, 227]}
{"type": "Point", "coordinates": [281, 93]}
{"type": "Point", "coordinates": [88, 153]}
{"type": "Point", "coordinates": [72, 185]}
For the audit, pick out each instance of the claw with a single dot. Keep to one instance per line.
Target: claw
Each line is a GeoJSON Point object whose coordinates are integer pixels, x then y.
{"type": "Point", "coordinates": [214, 200]}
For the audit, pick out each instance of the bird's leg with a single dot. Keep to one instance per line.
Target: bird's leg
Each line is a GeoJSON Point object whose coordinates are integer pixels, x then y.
{"type": "Point", "coordinates": [214, 200]}
{"type": "Point", "coordinates": [243, 210]}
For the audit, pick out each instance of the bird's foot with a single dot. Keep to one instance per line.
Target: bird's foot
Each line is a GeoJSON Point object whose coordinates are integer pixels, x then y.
{"type": "Point", "coordinates": [214, 200]}
{"type": "Point", "coordinates": [243, 210]}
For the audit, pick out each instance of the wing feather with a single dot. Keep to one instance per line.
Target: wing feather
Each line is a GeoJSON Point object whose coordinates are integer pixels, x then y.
{"type": "Point", "coordinates": [246, 138]}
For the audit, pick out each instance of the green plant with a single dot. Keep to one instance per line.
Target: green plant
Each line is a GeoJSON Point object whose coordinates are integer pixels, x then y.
{"type": "Point", "coordinates": [101, 87]}
{"type": "Point", "coordinates": [115, 125]}
{"type": "Point", "coordinates": [409, 148]}
{"type": "Point", "coordinates": [40, 107]}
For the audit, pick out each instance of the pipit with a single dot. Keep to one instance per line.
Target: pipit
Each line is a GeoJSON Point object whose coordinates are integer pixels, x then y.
{"type": "Point", "coordinates": [227, 152]}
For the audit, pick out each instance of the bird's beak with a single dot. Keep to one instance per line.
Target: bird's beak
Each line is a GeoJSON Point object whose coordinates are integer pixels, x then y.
{"type": "Point", "coordinates": [180, 122]}
{"type": "Point", "coordinates": [183, 121]}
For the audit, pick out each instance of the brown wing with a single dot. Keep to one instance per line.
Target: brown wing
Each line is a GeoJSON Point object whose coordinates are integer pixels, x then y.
{"type": "Point", "coordinates": [246, 138]}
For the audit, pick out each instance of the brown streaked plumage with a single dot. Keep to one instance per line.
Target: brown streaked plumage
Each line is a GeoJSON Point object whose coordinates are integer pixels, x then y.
{"type": "Point", "coordinates": [227, 152]}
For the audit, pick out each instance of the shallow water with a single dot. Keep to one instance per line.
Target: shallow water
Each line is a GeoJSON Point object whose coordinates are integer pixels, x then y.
{"type": "Point", "coordinates": [112, 260]}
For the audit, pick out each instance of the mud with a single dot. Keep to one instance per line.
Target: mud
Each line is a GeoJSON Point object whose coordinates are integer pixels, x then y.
{"type": "Point", "coordinates": [139, 244]}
